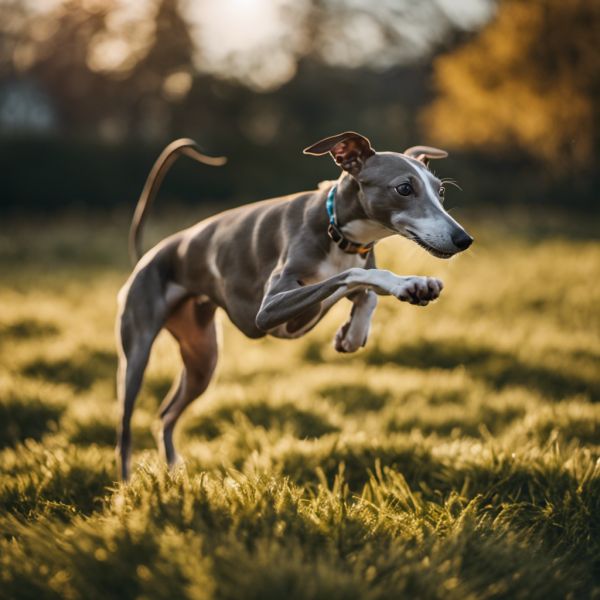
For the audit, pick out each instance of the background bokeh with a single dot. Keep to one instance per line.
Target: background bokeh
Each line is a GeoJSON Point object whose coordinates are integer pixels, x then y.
{"type": "Point", "coordinates": [92, 90]}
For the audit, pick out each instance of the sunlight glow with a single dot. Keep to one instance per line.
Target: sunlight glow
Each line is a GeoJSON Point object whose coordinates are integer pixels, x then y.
{"type": "Point", "coordinates": [109, 54]}
{"type": "Point", "coordinates": [177, 85]}
{"type": "Point", "coordinates": [236, 36]}
{"type": "Point", "coordinates": [229, 26]}
{"type": "Point", "coordinates": [258, 41]}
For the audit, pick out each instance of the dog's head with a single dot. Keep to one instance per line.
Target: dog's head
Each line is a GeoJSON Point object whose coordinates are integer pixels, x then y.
{"type": "Point", "coordinates": [399, 192]}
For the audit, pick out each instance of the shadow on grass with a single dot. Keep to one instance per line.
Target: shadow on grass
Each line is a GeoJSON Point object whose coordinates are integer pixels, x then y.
{"type": "Point", "coordinates": [86, 430]}
{"type": "Point", "coordinates": [96, 432]}
{"type": "Point", "coordinates": [62, 482]}
{"type": "Point", "coordinates": [81, 371]}
{"type": "Point", "coordinates": [313, 351]}
{"type": "Point", "coordinates": [26, 329]}
{"type": "Point", "coordinates": [22, 419]}
{"type": "Point", "coordinates": [355, 398]}
{"type": "Point", "coordinates": [159, 387]}
{"type": "Point", "coordinates": [303, 423]}
{"type": "Point", "coordinates": [495, 367]}
{"type": "Point", "coordinates": [458, 423]}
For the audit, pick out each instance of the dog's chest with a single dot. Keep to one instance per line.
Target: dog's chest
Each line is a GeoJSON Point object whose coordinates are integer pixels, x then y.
{"type": "Point", "coordinates": [336, 262]}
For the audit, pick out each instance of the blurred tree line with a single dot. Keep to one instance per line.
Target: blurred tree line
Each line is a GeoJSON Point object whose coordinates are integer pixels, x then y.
{"type": "Point", "coordinates": [528, 83]}
{"type": "Point", "coordinates": [88, 100]}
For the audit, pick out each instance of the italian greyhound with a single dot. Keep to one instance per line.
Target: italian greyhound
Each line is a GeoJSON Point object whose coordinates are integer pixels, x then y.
{"type": "Point", "coordinates": [276, 267]}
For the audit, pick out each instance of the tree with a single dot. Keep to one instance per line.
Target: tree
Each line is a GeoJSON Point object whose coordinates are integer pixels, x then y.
{"type": "Point", "coordinates": [529, 83]}
{"type": "Point", "coordinates": [119, 79]}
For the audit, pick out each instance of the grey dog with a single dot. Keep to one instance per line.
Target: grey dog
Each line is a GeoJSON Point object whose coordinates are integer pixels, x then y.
{"type": "Point", "coordinates": [276, 267]}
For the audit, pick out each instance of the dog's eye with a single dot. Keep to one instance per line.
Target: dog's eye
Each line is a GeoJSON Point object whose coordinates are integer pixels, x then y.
{"type": "Point", "coordinates": [404, 189]}
{"type": "Point", "coordinates": [442, 192]}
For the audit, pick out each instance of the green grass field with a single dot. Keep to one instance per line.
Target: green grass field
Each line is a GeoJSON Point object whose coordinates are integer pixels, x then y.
{"type": "Point", "coordinates": [456, 457]}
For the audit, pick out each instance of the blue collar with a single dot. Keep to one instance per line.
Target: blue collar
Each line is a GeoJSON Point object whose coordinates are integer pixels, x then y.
{"type": "Point", "coordinates": [335, 233]}
{"type": "Point", "coordinates": [330, 206]}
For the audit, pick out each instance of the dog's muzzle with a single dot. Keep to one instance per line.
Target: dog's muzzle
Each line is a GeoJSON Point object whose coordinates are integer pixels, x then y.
{"type": "Point", "coordinates": [432, 249]}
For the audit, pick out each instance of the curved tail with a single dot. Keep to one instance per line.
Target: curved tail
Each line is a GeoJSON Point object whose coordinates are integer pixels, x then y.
{"type": "Point", "coordinates": [159, 170]}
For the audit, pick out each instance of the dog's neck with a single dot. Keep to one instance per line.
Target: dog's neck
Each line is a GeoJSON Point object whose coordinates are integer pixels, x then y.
{"type": "Point", "coordinates": [352, 220]}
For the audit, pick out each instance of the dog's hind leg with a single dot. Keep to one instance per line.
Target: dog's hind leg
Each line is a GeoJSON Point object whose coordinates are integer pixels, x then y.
{"type": "Point", "coordinates": [193, 325]}
{"type": "Point", "coordinates": [142, 312]}
{"type": "Point", "coordinates": [354, 332]}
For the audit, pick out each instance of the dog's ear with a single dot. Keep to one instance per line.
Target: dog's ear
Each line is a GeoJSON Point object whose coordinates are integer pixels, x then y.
{"type": "Point", "coordinates": [422, 153]}
{"type": "Point", "coordinates": [349, 150]}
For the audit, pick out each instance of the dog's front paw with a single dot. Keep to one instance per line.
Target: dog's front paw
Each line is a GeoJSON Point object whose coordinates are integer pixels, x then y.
{"type": "Point", "coordinates": [419, 291]}
{"type": "Point", "coordinates": [346, 338]}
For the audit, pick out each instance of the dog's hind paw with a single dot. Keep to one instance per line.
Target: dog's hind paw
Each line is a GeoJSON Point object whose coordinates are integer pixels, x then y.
{"type": "Point", "coordinates": [347, 339]}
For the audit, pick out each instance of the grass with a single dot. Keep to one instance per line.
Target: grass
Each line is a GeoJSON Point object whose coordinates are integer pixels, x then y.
{"type": "Point", "coordinates": [455, 457]}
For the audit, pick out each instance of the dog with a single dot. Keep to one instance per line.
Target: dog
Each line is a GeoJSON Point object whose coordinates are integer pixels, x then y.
{"type": "Point", "coordinates": [276, 267]}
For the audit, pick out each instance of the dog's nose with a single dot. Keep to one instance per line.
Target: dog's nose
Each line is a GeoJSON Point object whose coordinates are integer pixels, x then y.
{"type": "Point", "coordinates": [462, 240]}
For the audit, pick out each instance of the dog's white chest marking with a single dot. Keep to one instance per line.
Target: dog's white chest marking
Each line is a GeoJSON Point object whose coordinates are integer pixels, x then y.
{"type": "Point", "coordinates": [337, 262]}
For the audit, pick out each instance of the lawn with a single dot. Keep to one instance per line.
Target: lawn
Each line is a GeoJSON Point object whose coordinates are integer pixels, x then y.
{"type": "Point", "coordinates": [455, 457]}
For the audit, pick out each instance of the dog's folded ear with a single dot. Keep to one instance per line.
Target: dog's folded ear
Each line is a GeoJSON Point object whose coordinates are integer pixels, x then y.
{"type": "Point", "coordinates": [349, 150]}
{"type": "Point", "coordinates": [422, 153]}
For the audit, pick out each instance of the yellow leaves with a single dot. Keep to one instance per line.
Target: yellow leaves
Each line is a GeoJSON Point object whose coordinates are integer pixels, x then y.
{"type": "Point", "coordinates": [526, 83]}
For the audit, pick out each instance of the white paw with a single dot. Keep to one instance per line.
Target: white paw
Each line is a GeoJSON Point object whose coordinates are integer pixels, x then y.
{"type": "Point", "coordinates": [419, 291]}
{"type": "Point", "coordinates": [349, 339]}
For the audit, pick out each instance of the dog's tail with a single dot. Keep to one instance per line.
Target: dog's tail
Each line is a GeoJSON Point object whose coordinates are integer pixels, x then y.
{"type": "Point", "coordinates": [160, 168]}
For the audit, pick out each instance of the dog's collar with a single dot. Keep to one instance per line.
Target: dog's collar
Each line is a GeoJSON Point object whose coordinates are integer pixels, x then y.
{"type": "Point", "coordinates": [335, 233]}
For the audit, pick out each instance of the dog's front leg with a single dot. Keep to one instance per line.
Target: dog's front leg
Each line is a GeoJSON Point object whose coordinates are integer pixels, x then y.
{"type": "Point", "coordinates": [287, 299]}
{"type": "Point", "coordinates": [353, 334]}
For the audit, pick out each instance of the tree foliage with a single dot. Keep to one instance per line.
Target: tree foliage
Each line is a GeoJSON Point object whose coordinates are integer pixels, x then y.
{"type": "Point", "coordinates": [118, 77]}
{"type": "Point", "coordinates": [529, 82]}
